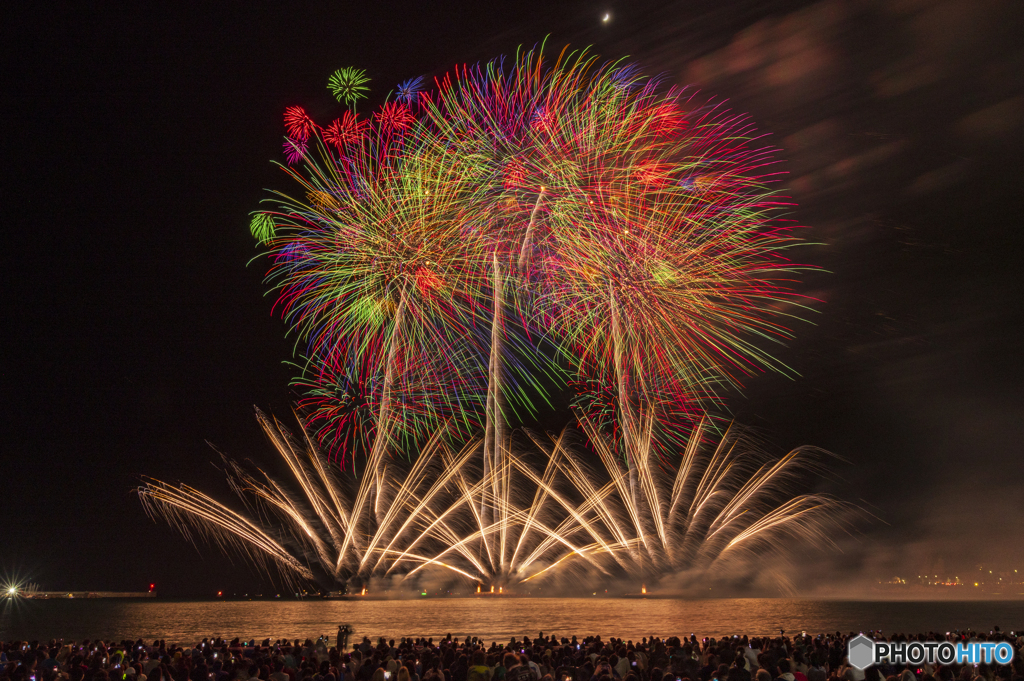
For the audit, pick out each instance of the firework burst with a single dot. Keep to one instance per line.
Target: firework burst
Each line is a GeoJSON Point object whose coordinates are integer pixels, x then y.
{"type": "Point", "coordinates": [389, 266]}
{"type": "Point", "coordinates": [349, 85]}
{"type": "Point", "coordinates": [347, 130]}
{"type": "Point", "coordinates": [623, 200]}
{"type": "Point", "coordinates": [262, 227]}
{"type": "Point", "coordinates": [374, 273]}
{"type": "Point", "coordinates": [409, 90]}
{"type": "Point", "coordinates": [459, 251]}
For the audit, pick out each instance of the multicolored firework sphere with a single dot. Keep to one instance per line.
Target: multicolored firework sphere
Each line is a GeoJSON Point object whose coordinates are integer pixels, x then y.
{"type": "Point", "coordinates": [448, 261]}
{"type": "Point", "coordinates": [375, 275]}
{"type": "Point", "coordinates": [630, 226]}
{"type": "Point", "coordinates": [641, 218]}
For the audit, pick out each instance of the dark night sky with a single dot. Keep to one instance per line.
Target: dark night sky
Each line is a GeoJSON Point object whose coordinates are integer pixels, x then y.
{"type": "Point", "coordinates": [134, 144]}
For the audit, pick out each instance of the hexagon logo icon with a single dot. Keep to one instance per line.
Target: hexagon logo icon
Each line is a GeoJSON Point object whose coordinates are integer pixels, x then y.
{"type": "Point", "coordinates": [861, 651]}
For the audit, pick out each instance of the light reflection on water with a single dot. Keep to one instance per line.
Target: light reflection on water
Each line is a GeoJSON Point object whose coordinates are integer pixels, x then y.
{"type": "Point", "coordinates": [189, 621]}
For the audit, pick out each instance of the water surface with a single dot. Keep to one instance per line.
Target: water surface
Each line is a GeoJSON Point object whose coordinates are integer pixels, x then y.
{"type": "Point", "coordinates": [190, 621]}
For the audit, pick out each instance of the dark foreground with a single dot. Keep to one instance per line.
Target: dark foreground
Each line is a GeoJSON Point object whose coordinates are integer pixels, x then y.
{"type": "Point", "coordinates": [546, 658]}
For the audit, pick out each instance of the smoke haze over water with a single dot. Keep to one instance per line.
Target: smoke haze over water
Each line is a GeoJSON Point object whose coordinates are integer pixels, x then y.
{"type": "Point", "coordinates": [903, 126]}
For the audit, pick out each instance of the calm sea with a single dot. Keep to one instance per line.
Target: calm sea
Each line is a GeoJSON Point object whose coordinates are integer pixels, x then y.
{"type": "Point", "coordinates": [190, 621]}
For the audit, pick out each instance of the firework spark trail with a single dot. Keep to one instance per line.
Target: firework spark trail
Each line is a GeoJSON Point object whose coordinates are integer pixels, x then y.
{"type": "Point", "coordinates": [593, 491]}
{"type": "Point", "coordinates": [494, 431]}
{"type": "Point", "coordinates": [524, 251]}
{"type": "Point", "coordinates": [190, 510]}
{"type": "Point", "coordinates": [724, 505]}
{"type": "Point", "coordinates": [335, 523]}
{"type": "Point", "coordinates": [627, 409]}
{"type": "Point", "coordinates": [384, 422]}
{"type": "Point", "coordinates": [576, 518]}
{"type": "Point", "coordinates": [716, 504]}
{"type": "Point", "coordinates": [406, 496]}
{"type": "Point", "coordinates": [713, 502]}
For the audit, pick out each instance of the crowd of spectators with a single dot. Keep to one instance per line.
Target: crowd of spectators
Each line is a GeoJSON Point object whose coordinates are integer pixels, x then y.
{"type": "Point", "coordinates": [545, 658]}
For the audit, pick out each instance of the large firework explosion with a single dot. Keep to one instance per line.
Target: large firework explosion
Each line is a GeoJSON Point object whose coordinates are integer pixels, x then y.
{"type": "Point", "coordinates": [466, 250]}
{"type": "Point", "coordinates": [630, 226]}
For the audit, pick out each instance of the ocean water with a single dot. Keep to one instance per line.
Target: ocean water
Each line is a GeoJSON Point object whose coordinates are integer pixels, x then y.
{"type": "Point", "coordinates": [186, 622]}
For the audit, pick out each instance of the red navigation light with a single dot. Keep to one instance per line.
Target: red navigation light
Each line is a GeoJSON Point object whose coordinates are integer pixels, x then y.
{"type": "Point", "coordinates": [220, 593]}
{"type": "Point", "coordinates": [152, 586]}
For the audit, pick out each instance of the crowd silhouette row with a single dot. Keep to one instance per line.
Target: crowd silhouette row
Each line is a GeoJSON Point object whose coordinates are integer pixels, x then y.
{"type": "Point", "coordinates": [544, 658]}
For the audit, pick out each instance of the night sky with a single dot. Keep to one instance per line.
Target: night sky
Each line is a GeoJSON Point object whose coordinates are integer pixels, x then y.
{"type": "Point", "coordinates": [135, 143]}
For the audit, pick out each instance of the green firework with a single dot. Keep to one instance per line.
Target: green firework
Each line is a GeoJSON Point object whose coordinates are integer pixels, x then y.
{"type": "Point", "coordinates": [348, 85]}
